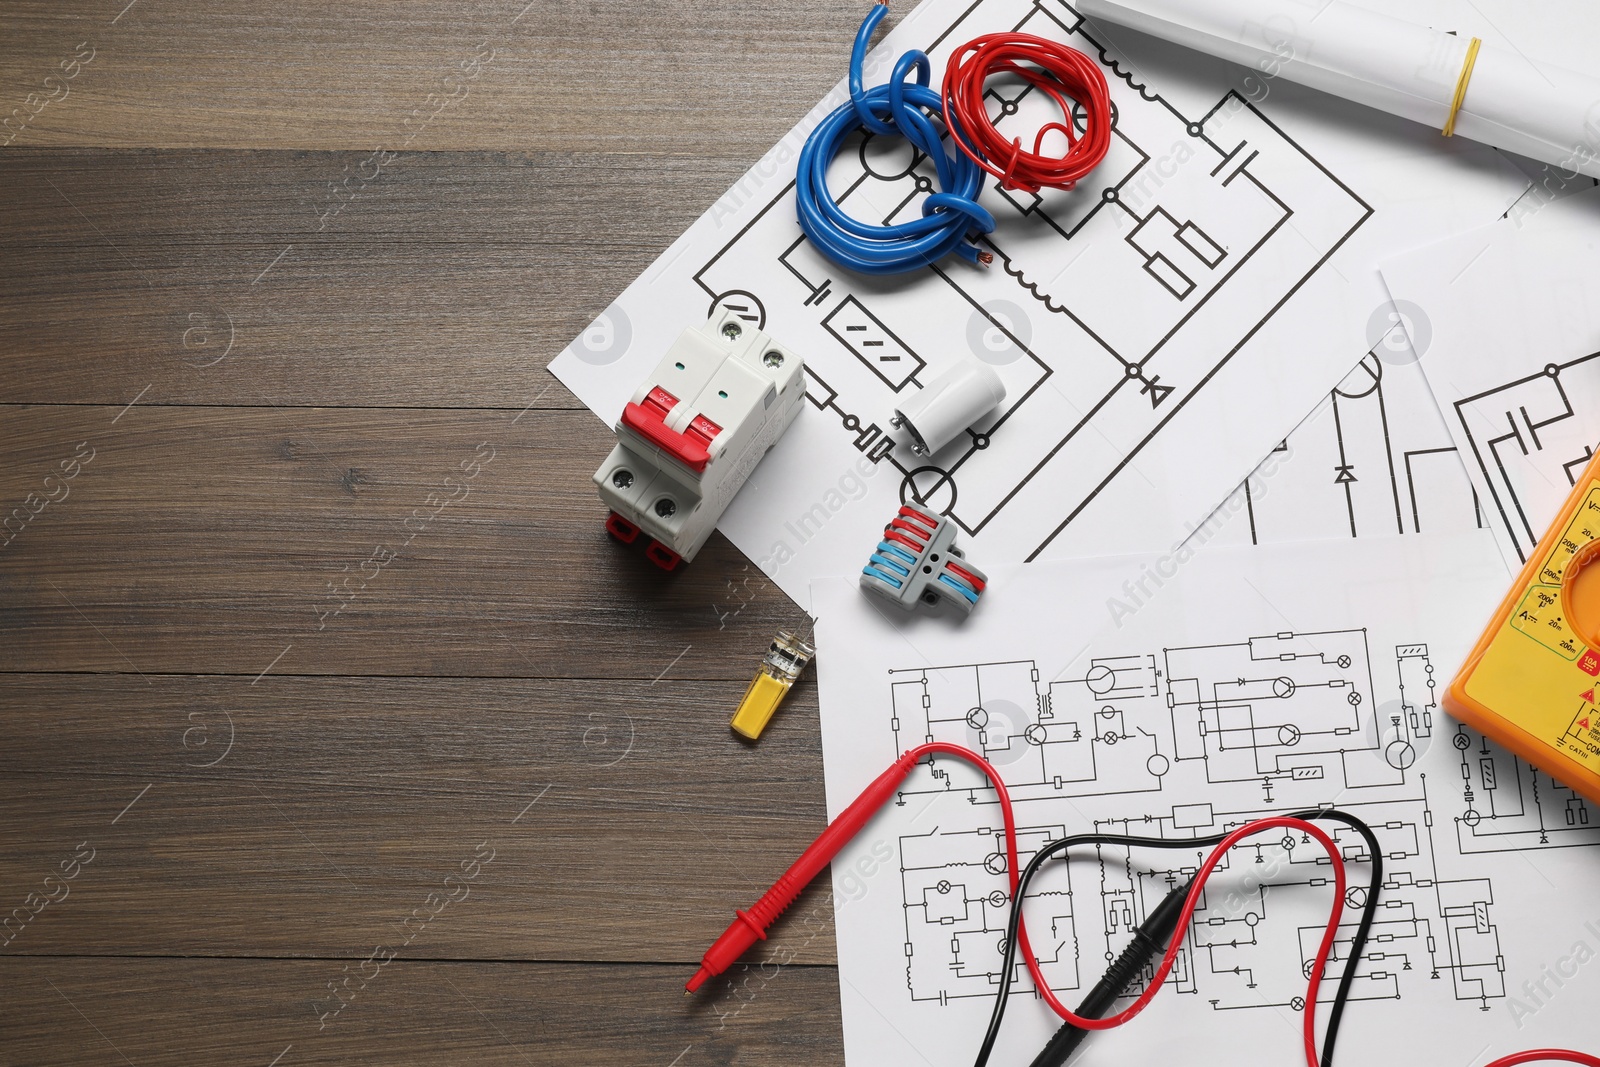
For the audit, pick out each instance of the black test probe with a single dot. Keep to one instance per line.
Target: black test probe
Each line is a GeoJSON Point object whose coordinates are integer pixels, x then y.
{"type": "Point", "coordinates": [1149, 940]}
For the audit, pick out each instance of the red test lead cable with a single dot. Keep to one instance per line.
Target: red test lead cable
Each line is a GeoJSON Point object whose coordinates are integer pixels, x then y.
{"type": "Point", "coordinates": [751, 926]}
{"type": "Point", "coordinates": [1319, 963]}
{"type": "Point", "coordinates": [1062, 73]}
{"type": "Point", "coordinates": [1196, 892]}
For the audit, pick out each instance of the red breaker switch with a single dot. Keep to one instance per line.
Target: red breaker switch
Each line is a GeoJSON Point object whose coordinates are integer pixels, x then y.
{"type": "Point", "coordinates": [649, 421]}
{"type": "Point", "coordinates": [692, 433]}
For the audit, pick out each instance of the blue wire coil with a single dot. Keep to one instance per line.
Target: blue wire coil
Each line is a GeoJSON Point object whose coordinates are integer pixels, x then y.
{"type": "Point", "coordinates": [898, 107]}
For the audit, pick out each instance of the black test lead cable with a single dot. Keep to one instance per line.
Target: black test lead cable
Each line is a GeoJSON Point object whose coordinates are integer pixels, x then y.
{"type": "Point", "coordinates": [1357, 945]}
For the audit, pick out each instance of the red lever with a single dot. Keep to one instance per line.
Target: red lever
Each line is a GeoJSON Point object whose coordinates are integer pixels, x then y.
{"type": "Point", "coordinates": [649, 420]}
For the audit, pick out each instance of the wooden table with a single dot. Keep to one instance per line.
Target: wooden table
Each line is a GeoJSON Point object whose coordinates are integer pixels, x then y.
{"type": "Point", "coordinates": [336, 730]}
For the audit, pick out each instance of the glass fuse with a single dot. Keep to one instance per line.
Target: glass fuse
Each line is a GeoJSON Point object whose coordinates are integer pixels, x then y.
{"type": "Point", "coordinates": [780, 669]}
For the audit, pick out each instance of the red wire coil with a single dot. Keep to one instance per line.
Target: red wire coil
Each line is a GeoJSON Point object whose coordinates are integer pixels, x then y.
{"type": "Point", "coordinates": [1063, 73]}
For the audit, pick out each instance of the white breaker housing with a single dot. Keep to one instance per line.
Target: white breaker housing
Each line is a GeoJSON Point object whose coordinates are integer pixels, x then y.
{"type": "Point", "coordinates": [694, 430]}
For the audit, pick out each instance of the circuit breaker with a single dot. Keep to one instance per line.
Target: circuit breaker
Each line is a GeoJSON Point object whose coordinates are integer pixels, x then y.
{"type": "Point", "coordinates": [692, 433]}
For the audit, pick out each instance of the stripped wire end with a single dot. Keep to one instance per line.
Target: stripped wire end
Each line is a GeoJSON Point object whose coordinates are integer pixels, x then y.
{"type": "Point", "coordinates": [985, 258]}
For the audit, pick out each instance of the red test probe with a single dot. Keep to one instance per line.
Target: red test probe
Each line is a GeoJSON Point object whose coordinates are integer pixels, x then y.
{"type": "Point", "coordinates": [751, 926]}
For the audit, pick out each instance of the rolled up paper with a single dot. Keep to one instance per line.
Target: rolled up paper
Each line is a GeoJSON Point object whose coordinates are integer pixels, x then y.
{"type": "Point", "coordinates": [1500, 98]}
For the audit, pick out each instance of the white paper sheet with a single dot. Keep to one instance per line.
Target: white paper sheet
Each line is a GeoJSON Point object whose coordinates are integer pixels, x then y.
{"type": "Point", "coordinates": [1256, 680]}
{"type": "Point", "coordinates": [1160, 329]}
{"type": "Point", "coordinates": [1388, 62]}
{"type": "Point", "coordinates": [1375, 459]}
{"type": "Point", "coordinates": [1509, 322]}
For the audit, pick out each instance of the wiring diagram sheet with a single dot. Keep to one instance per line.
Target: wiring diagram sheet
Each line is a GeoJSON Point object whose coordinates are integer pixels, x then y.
{"type": "Point", "coordinates": [1159, 329]}
{"type": "Point", "coordinates": [1374, 459]}
{"type": "Point", "coordinates": [1179, 700]}
{"type": "Point", "coordinates": [1508, 333]}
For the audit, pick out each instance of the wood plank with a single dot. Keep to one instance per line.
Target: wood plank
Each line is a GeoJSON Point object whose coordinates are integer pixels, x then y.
{"type": "Point", "coordinates": [231, 540]}
{"type": "Point", "coordinates": [450, 280]}
{"type": "Point", "coordinates": [313, 817]}
{"type": "Point", "coordinates": [705, 79]}
{"type": "Point", "coordinates": [184, 1012]}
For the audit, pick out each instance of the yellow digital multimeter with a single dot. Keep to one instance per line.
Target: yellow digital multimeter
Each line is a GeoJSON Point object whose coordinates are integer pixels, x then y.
{"type": "Point", "coordinates": [1530, 681]}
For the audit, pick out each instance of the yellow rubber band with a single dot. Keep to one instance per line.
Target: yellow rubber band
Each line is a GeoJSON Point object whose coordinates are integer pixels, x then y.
{"type": "Point", "coordinates": [1461, 85]}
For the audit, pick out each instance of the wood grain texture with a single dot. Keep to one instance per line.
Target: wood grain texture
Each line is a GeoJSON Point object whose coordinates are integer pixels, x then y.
{"type": "Point", "coordinates": [306, 610]}
{"type": "Point", "coordinates": [450, 280]}
{"type": "Point", "coordinates": [312, 816]}
{"type": "Point", "coordinates": [214, 540]}
{"type": "Point", "coordinates": [700, 79]}
{"type": "Point", "coordinates": [186, 1012]}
